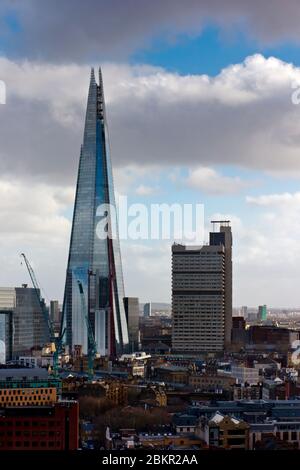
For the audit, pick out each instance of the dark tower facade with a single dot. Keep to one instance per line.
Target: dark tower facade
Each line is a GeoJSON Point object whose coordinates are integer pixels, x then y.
{"type": "Point", "coordinates": [95, 260]}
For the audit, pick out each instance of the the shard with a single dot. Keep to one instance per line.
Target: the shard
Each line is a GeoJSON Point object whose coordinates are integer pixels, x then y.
{"type": "Point", "coordinates": [94, 261]}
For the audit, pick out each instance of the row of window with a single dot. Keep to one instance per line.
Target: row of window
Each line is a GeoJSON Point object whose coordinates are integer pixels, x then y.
{"type": "Point", "coordinates": [39, 391]}
{"type": "Point", "coordinates": [25, 399]}
{"type": "Point", "coordinates": [27, 423]}
{"type": "Point", "coordinates": [55, 444]}
{"type": "Point", "coordinates": [29, 433]}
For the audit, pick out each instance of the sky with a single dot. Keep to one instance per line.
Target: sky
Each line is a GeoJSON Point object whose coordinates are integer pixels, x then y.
{"type": "Point", "coordinates": [202, 102]}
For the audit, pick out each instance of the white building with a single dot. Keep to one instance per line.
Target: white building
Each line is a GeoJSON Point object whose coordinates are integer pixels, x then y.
{"type": "Point", "coordinates": [244, 375]}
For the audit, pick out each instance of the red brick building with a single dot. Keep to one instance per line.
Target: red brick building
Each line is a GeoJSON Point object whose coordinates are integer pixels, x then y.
{"type": "Point", "coordinates": [54, 427]}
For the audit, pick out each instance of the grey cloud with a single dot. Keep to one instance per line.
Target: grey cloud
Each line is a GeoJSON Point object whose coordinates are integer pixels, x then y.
{"type": "Point", "coordinates": [243, 117]}
{"type": "Point", "coordinates": [64, 30]}
{"type": "Point", "coordinates": [35, 146]}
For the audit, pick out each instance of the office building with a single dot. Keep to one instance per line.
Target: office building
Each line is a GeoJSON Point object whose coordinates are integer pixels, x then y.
{"type": "Point", "coordinates": [43, 428]}
{"type": "Point", "coordinates": [94, 255]}
{"type": "Point", "coordinates": [6, 334]}
{"type": "Point", "coordinates": [244, 311]}
{"type": "Point", "coordinates": [147, 310]}
{"type": "Point", "coordinates": [271, 338]}
{"type": "Point", "coordinates": [224, 238]}
{"type": "Point", "coordinates": [54, 312]}
{"type": "Point", "coordinates": [29, 325]}
{"type": "Point", "coordinates": [7, 306]}
{"type": "Point", "coordinates": [201, 295]}
{"type": "Point", "coordinates": [133, 317]}
{"type": "Point", "coordinates": [239, 333]}
{"type": "Point", "coordinates": [27, 387]}
{"type": "Point", "coordinates": [22, 323]}
{"type": "Point", "coordinates": [262, 313]}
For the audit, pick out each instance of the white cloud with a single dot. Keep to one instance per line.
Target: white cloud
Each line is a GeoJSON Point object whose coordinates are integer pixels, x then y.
{"type": "Point", "coordinates": [144, 190]}
{"type": "Point", "coordinates": [32, 220]}
{"type": "Point", "coordinates": [289, 200]}
{"type": "Point", "coordinates": [244, 116]}
{"type": "Point", "coordinates": [210, 181]}
{"type": "Point", "coordinates": [149, 277]}
{"type": "Point", "coordinates": [267, 256]}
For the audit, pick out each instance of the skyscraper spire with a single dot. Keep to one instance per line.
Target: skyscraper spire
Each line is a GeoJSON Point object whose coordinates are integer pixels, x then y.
{"type": "Point", "coordinates": [92, 80]}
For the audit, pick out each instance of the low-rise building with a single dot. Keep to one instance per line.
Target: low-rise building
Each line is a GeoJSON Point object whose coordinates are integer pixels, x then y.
{"type": "Point", "coordinates": [28, 387]}
{"type": "Point", "coordinates": [284, 431]}
{"type": "Point", "coordinates": [247, 392]}
{"type": "Point", "coordinates": [211, 382]}
{"type": "Point", "coordinates": [271, 338]}
{"type": "Point", "coordinates": [184, 423]}
{"type": "Point", "coordinates": [226, 432]}
{"type": "Point", "coordinates": [245, 375]}
{"type": "Point", "coordinates": [152, 441]}
{"type": "Point", "coordinates": [172, 374]}
{"type": "Point", "coordinates": [117, 392]}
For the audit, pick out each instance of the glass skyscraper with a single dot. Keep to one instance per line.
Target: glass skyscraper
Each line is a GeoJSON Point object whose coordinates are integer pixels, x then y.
{"type": "Point", "coordinates": [95, 261]}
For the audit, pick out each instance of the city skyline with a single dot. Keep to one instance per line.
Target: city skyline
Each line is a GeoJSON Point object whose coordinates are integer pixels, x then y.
{"type": "Point", "coordinates": [220, 128]}
{"type": "Point", "coordinates": [149, 230]}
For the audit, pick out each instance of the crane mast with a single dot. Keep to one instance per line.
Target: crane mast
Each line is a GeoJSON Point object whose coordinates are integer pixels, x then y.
{"type": "Point", "coordinates": [55, 340]}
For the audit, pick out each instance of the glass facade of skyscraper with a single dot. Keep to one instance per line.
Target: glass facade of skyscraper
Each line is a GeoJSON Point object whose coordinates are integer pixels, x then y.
{"type": "Point", "coordinates": [93, 260]}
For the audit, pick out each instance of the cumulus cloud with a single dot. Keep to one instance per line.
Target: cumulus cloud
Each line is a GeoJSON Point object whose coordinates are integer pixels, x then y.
{"type": "Point", "coordinates": [266, 256]}
{"type": "Point", "coordinates": [98, 28]}
{"type": "Point", "coordinates": [210, 181]}
{"type": "Point", "coordinates": [244, 116]}
{"type": "Point", "coordinates": [290, 200]}
{"type": "Point", "coordinates": [33, 220]}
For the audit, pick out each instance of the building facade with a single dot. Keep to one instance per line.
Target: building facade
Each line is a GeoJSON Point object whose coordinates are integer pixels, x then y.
{"type": "Point", "coordinates": [22, 323]}
{"type": "Point", "coordinates": [147, 310]}
{"type": "Point", "coordinates": [29, 325]}
{"type": "Point", "coordinates": [133, 321]}
{"type": "Point", "coordinates": [42, 428]}
{"type": "Point", "coordinates": [27, 387]}
{"type": "Point", "coordinates": [55, 312]}
{"type": "Point", "coordinates": [202, 295]}
{"type": "Point", "coordinates": [211, 382]}
{"type": "Point", "coordinates": [245, 375]}
{"type": "Point", "coordinates": [31, 415]}
{"type": "Point", "coordinates": [224, 238]}
{"type": "Point", "coordinates": [94, 255]}
{"type": "Point", "coordinates": [224, 432]}
{"type": "Point", "coordinates": [262, 313]}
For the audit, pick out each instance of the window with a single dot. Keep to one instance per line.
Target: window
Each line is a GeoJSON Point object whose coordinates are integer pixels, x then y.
{"type": "Point", "coordinates": [236, 432]}
{"type": "Point", "coordinates": [235, 441]}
